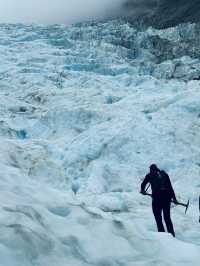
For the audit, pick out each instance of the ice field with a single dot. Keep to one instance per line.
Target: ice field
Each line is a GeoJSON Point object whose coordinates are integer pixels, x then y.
{"type": "Point", "coordinates": [85, 109]}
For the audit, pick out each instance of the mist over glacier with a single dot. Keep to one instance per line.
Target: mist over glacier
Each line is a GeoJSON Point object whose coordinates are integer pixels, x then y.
{"type": "Point", "coordinates": [157, 13]}
{"type": "Point", "coordinates": [56, 11]}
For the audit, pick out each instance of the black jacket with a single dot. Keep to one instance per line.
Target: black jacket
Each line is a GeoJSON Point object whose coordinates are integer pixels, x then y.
{"type": "Point", "coordinates": [160, 182]}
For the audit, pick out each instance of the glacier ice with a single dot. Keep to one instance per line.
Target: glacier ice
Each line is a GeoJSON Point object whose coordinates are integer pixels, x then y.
{"type": "Point", "coordinates": [84, 110]}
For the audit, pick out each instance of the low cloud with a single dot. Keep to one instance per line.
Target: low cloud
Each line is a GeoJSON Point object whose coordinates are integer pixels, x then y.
{"type": "Point", "coordinates": [56, 11]}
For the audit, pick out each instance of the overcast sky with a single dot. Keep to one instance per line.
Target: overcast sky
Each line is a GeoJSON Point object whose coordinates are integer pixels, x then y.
{"type": "Point", "coordinates": [54, 11]}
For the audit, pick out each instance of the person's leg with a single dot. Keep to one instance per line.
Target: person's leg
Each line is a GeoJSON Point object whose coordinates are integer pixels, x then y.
{"type": "Point", "coordinates": [157, 211]}
{"type": "Point", "coordinates": [167, 217]}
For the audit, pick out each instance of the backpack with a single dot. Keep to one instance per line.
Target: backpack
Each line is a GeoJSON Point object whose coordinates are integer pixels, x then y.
{"type": "Point", "coordinates": [160, 181]}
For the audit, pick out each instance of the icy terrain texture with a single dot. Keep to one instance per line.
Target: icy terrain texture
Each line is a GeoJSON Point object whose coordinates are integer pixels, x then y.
{"type": "Point", "coordinates": [84, 111]}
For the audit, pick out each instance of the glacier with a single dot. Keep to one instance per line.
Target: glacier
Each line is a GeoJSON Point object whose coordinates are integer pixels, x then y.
{"type": "Point", "coordinates": [85, 109]}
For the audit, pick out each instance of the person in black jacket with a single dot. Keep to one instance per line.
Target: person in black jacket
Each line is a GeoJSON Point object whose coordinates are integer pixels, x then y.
{"type": "Point", "coordinates": [162, 194]}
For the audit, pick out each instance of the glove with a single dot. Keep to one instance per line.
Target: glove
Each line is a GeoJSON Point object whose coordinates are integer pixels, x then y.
{"type": "Point", "coordinates": [142, 192]}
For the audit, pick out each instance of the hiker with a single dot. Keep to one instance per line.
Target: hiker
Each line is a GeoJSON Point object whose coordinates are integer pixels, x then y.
{"type": "Point", "coordinates": [162, 194]}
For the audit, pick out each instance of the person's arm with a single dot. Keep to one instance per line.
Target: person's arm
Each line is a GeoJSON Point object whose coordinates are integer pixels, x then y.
{"type": "Point", "coordinates": [172, 190]}
{"type": "Point", "coordinates": [144, 183]}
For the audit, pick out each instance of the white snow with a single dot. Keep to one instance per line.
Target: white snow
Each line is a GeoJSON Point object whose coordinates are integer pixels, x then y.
{"type": "Point", "coordinates": [84, 111]}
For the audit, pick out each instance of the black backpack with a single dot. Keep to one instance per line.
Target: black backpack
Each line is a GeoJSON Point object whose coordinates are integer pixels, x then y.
{"type": "Point", "coordinates": [160, 181]}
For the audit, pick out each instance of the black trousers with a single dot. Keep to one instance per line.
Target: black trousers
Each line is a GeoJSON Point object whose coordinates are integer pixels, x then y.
{"type": "Point", "coordinates": [161, 205]}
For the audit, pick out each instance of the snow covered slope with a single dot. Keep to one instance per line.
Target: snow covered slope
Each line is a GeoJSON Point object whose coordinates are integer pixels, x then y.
{"type": "Point", "coordinates": [84, 111]}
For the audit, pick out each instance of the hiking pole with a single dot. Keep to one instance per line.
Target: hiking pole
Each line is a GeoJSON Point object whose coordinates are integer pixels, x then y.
{"type": "Point", "coordinates": [177, 203]}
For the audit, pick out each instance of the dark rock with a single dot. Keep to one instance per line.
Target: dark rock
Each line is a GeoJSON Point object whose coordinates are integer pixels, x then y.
{"type": "Point", "coordinates": [162, 13]}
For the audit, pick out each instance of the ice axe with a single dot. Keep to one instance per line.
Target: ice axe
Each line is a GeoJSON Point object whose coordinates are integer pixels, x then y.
{"type": "Point", "coordinates": [183, 204]}
{"type": "Point", "coordinates": [177, 202]}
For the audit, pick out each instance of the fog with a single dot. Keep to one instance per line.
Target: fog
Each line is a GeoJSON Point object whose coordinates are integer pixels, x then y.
{"type": "Point", "coordinates": [56, 11]}
{"type": "Point", "coordinates": [137, 8]}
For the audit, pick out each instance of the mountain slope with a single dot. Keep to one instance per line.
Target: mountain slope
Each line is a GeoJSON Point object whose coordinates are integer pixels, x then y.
{"type": "Point", "coordinates": [163, 13]}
